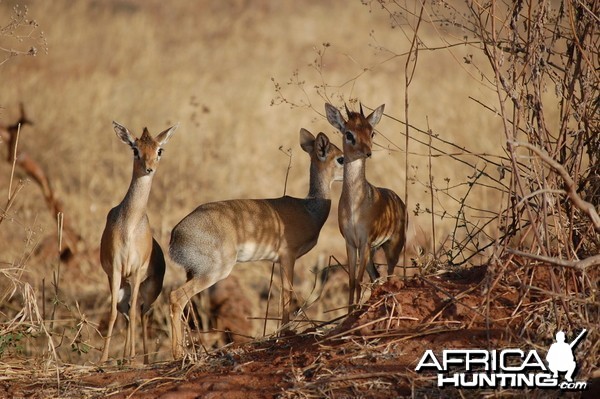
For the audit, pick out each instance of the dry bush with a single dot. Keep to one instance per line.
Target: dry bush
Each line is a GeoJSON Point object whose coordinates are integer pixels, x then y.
{"type": "Point", "coordinates": [542, 56]}
{"type": "Point", "coordinates": [542, 61]}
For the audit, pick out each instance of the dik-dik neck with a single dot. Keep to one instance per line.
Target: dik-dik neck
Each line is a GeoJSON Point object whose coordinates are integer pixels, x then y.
{"type": "Point", "coordinates": [133, 207]}
{"type": "Point", "coordinates": [355, 186]}
{"type": "Point", "coordinates": [318, 200]}
{"type": "Point", "coordinates": [319, 186]}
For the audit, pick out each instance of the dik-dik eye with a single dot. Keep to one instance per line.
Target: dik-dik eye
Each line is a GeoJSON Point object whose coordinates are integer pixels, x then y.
{"type": "Point", "coordinates": [349, 136]}
{"type": "Point", "coordinates": [340, 160]}
{"type": "Point", "coordinates": [160, 151]}
{"type": "Point", "coordinates": [136, 153]}
{"type": "Point", "coordinates": [372, 134]}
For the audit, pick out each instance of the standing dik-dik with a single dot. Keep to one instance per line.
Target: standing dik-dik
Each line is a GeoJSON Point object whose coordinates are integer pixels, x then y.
{"type": "Point", "coordinates": [214, 237]}
{"type": "Point", "coordinates": [130, 256]}
{"type": "Point", "coordinates": [369, 217]}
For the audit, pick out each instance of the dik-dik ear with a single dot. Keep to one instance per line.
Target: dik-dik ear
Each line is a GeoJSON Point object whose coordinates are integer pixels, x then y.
{"type": "Point", "coordinates": [164, 136]}
{"type": "Point", "coordinates": [307, 140]}
{"type": "Point", "coordinates": [376, 115]}
{"type": "Point", "coordinates": [124, 134]}
{"type": "Point", "coordinates": [23, 119]}
{"type": "Point", "coordinates": [322, 146]}
{"type": "Point", "coordinates": [334, 116]}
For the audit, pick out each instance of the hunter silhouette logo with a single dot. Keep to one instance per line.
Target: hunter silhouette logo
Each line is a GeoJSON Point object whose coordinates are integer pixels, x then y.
{"type": "Point", "coordinates": [560, 356]}
{"type": "Point", "coordinates": [506, 368]}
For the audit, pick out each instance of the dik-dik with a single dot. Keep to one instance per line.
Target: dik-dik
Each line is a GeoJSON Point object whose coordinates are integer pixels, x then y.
{"type": "Point", "coordinates": [214, 237]}
{"type": "Point", "coordinates": [130, 256]}
{"type": "Point", "coordinates": [369, 217]}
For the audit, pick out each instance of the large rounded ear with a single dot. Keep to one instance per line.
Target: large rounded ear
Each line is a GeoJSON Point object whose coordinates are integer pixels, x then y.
{"type": "Point", "coordinates": [334, 116]}
{"type": "Point", "coordinates": [124, 134]}
{"type": "Point", "coordinates": [307, 140]}
{"type": "Point", "coordinates": [376, 115]}
{"type": "Point", "coordinates": [322, 146]}
{"type": "Point", "coordinates": [164, 136]}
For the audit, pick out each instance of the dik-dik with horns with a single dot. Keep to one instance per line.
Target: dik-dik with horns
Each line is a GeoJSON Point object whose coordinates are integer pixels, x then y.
{"type": "Point", "coordinates": [369, 217]}
{"type": "Point", "coordinates": [214, 237]}
{"type": "Point", "coordinates": [130, 256]}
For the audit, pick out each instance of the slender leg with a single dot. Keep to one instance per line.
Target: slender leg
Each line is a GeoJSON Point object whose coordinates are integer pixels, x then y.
{"type": "Point", "coordinates": [392, 250]}
{"type": "Point", "coordinates": [126, 346]}
{"type": "Point", "coordinates": [351, 254]}
{"type": "Point", "coordinates": [123, 308]}
{"type": "Point", "coordinates": [371, 269]}
{"type": "Point", "coordinates": [363, 258]}
{"type": "Point", "coordinates": [133, 313]}
{"type": "Point", "coordinates": [114, 283]}
{"type": "Point", "coordinates": [145, 318]}
{"type": "Point", "coordinates": [287, 286]}
{"type": "Point", "coordinates": [178, 299]}
{"type": "Point", "coordinates": [203, 312]}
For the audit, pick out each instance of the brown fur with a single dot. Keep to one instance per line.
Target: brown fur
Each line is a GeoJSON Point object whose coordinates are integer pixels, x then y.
{"type": "Point", "coordinates": [369, 217]}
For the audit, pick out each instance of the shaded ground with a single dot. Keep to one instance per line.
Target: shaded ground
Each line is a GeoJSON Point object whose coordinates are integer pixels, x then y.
{"type": "Point", "coordinates": [372, 353]}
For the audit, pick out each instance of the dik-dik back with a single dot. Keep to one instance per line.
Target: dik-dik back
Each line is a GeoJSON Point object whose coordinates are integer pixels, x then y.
{"type": "Point", "coordinates": [248, 230]}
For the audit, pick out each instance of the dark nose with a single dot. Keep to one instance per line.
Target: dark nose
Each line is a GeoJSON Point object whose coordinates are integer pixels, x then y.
{"type": "Point", "coordinates": [368, 154]}
{"type": "Point", "coordinates": [149, 170]}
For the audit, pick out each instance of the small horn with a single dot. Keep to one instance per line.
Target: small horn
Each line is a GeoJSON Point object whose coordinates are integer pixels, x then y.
{"type": "Point", "coordinates": [347, 110]}
{"type": "Point", "coordinates": [361, 111]}
{"type": "Point", "coordinates": [146, 136]}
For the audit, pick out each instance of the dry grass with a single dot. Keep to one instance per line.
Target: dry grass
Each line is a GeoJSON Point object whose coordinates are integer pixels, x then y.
{"type": "Point", "coordinates": [241, 78]}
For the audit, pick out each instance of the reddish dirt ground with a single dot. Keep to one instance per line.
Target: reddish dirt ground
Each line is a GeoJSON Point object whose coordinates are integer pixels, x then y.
{"type": "Point", "coordinates": [372, 353]}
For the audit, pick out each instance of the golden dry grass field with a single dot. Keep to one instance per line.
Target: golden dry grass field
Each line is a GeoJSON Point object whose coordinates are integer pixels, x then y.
{"type": "Point", "coordinates": [228, 72]}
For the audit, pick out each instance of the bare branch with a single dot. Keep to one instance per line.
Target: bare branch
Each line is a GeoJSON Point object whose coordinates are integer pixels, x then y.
{"type": "Point", "coordinates": [571, 264]}
{"type": "Point", "coordinates": [571, 188]}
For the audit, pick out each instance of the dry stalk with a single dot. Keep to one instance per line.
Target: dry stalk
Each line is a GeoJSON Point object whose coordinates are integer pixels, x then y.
{"type": "Point", "coordinates": [150, 381]}
{"type": "Point", "coordinates": [592, 261]}
{"type": "Point", "coordinates": [571, 188]}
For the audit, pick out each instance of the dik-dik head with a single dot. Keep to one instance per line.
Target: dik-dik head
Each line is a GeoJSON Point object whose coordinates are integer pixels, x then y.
{"type": "Point", "coordinates": [325, 157]}
{"type": "Point", "coordinates": [146, 149]}
{"type": "Point", "coordinates": [357, 131]}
